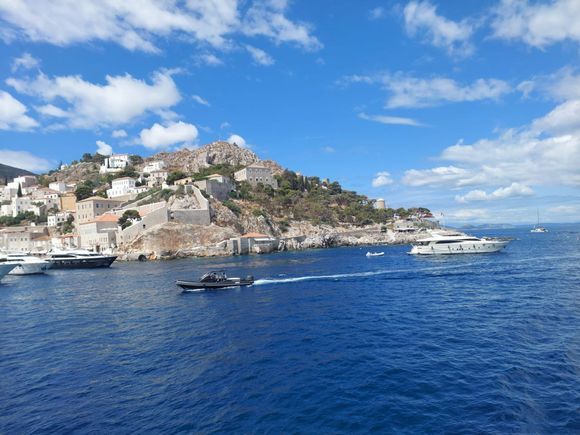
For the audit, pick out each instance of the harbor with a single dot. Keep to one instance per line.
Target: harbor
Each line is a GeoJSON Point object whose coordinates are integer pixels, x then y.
{"type": "Point", "coordinates": [322, 335]}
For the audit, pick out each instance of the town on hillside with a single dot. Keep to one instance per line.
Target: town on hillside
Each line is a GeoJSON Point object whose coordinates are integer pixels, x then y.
{"type": "Point", "coordinates": [216, 200]}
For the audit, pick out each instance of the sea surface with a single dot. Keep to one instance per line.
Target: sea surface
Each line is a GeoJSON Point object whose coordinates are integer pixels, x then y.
{"type": "Point", "coordinates": [327, 341]}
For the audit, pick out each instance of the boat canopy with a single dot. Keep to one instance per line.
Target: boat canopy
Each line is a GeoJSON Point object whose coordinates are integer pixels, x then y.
{"type": "Point", "coordinates": [214, 276]}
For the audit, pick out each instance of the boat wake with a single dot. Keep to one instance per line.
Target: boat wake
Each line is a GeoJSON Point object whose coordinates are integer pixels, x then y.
{"type": "Point", "coordinates": [355, 274]}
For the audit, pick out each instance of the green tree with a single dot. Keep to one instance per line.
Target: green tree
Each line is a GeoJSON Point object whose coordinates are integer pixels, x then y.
{"type": "Point", "coordinates": [135, 159]}
{"type": "Point", "coordinates": [84, 190]}
{"type": "Point", "coordinates": [174, 176]}
{"type": "Point", "coordinates": [127, 219]}
{"type": "Point", "coordinates": [19, 192]}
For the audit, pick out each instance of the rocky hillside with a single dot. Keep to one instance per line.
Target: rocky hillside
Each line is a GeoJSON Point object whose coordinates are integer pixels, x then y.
{"type": "Point", "coordinates": [215, 153]}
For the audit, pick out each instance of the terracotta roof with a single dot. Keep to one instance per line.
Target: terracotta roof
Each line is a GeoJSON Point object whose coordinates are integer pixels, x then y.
{"type": "Point", "coordinates": [107, 218]}
{"type": "Point", "coordinates": [254, 235]}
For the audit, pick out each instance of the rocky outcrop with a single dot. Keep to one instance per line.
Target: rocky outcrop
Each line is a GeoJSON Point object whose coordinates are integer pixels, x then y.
{"type": "Point", "coordinates": [219, 152]}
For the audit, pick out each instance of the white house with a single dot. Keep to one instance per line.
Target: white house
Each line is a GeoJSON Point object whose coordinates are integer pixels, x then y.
{"type": "Point", "coordinates": [155, 165]}
{"type": "Point", "coordinates": [114, 163]}
{"type": "Point", "coordinates": [121, 187]}
{"type": "Point", "coordinates": [58, 186]}
{"type": "Point", "coordinates": [58, 218]}
{"type": "Point", "coordinates": [157, 177]}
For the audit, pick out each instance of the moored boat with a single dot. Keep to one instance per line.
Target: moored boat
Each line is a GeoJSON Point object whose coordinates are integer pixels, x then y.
{"type": "Point", "coordinates": [375, 254]}
{"type": "Point", "coordinates": [537, 228]}
{"type": "Point", "coordinates": [5, 269]}
{"type": "Point", "coordinates": [456, 243]}
{"type": "Point", "coordinates": [215, 280]}
{"type": "Point", "coordinates": [25, 264]}
{"type": "Point", "coordinates": [79, 259]}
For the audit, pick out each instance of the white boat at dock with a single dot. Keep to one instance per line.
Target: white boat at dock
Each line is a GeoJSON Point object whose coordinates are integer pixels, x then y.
{"type": "Point", "coordinates": [25, 264]}
{"type": "Point", "coordinates": [445, 243]}
{"type": "Point", "coordinates": [5, 269]}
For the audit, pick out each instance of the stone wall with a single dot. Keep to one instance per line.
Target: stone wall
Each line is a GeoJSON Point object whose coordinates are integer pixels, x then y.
{"type": "Point", "coordinates": [158, 216]}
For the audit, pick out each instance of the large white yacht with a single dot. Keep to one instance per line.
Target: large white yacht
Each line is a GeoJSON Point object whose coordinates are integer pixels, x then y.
{"type": "Point", "coordinates": [25, 264]}
{"type": "Point", "coordinates": [456, 243]}
{"type": "Point", "coordinates": [79, 259]}
{"type": "Point", "coordinates": [6, 268]}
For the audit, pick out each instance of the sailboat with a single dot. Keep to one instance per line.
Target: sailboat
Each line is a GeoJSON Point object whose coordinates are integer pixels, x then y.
{"type": "Point", "coordinates": [537, 228]}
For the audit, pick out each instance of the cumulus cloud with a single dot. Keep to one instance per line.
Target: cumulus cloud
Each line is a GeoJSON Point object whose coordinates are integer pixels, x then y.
{"type": "Point", "coordinates": [382, 179]}
{"type": "Point", "coordinates": [537, 24]}
{"type": "Point", "coordinates": [390, 120]}
{"type": "Point", "coordinates": [237, 140]}
{"type": "Point", "coordinates": [440, 175]}
{"type": "Point", "coordinates": [260, 56]}
{"type": "Point", "coordinates": [513, 190]}
{"type": "Point", "coordinates": [159, 136]}
{"type": "Point", "coordinates": [405, 91]}
{"type": "Point", "coordinates": [120, 100]}
{"type": "Point", "coordinates": [24, 160]}
{"type": "Point", "coordinates": [13, 114]}
{"type": "Point", "coordinates": [104, 148]}
{"type": "Point", "coordinates": [422, 20]}
{"type": "Point", "coordinates": [200, 100]}
{"type": "Point", "coordinates": [119, 133]}
{"type": "Point", "coordinates": [139, 24]}
{"type": "Point", "coordinates": [26, 61]}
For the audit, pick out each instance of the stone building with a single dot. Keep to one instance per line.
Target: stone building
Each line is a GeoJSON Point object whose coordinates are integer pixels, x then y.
{"type": "Point", "coordinates": [100, 233]}
{"type": "Point", "coordinates": [216, 185]}
{"type": "Point", "coordinates": [90, 208]}
{"type": "Point", "coordinates": [255, 174]}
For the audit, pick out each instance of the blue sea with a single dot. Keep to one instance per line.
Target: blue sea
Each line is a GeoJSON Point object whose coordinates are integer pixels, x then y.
{"type": "Point", "coordinates": [327, 341]}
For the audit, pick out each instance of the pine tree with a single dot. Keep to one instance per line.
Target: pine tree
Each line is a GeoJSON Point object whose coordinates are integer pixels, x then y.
{"type": "Point", "coordinates": [19, 192]}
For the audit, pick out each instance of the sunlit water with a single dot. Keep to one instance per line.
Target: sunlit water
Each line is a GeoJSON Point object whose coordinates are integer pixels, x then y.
{"type": "Point", "coordinates": [326, 341]}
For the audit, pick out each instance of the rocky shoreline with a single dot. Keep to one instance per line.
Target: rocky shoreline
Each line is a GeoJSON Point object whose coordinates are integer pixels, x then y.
{"type": "Point", "coordinates": [170, 243]}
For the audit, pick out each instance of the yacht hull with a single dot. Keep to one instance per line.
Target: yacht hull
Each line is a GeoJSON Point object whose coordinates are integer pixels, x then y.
{"type": "Point", "coordinates": [5, 269]}
{"type": "Point", "coordinates": [483, 247]}
{"type": "Point", "coordinates": [31, 268]}
{"type": "Point", "coordinates": [82, 263]}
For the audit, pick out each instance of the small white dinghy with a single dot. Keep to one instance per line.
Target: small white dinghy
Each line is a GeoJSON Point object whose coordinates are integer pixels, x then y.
{"type": "Point", "coordinates": [375, 254]}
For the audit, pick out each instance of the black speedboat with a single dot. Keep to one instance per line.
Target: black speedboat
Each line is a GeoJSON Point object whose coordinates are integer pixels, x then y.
{"type": "Point", "coordinates": [215, 280]}
{"type": "Point", "coordinates": [79, 259]}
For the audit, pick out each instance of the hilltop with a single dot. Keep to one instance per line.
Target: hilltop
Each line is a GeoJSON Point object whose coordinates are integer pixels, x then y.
{"type": "Point", "coordinates": [10, 172]}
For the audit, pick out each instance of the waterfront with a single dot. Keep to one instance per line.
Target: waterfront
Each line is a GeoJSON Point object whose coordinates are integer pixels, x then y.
{"type": "Point", "coordinates": [327, 341]}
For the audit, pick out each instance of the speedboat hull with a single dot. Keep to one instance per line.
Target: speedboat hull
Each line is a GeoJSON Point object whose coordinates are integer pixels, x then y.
{"type": "Point", "coordinates": [5, 269]}
{"type": "Point", "coordinates": [201, 286]}
{"type": "Point", "coordinates": [82, 263]}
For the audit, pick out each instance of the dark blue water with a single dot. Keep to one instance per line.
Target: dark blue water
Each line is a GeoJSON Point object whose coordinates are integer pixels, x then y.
{"type": "Point", "coordinates": [470, 344]}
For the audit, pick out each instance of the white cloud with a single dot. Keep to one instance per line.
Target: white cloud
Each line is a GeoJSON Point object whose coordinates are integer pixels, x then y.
{"type": "Point", "coordinates": [260, 56]}
{"type": "Point", "coordinates": [421, 19]}
{"type": "Point", "coordinates": [139, 24]}
{"type": "Point", "coordinates": [120, 100]}
{"type": "Point", "coordinates": [13, 114]}
{"type": "Point", "coordinates": [394, 120]}
{"type": "Point", "coordinates": [119, 133]}
{"type": "Point", "coordinates": [159, 136]}
{"type": "Point", "coordinates": [382, 179]}
{"type": "Point", "coordinates": [24, 160]}
{"type": "Point", "coordinates": [328, 149]}
{"type": "Point", "coordinates": [200, 100]}
{"type": "Point", "coordinates": [266, 18]}
{"type": "Point", "coordinates": [104, 148]}
{"type": "Point", "coordinates": [51, 110]}
{"type": "Point", "coordinates": [238, 140]}
{"type": "Point", "coordinates": [513, 190]}
{"type": "Point", "coordinates": [377, 13]}
{"type": "Point", "coordinates": [409, 92]}
{"type": "Point", "coordinates": [537, 24]}
{"type": "Point", "coordinates": [26, 61]}
{"type": "Point", "coordinates": [225, 125]}
{"type": "Point", "coordinates": [209, 59]}
{"type": "Point", "coordinates": [435, 176]}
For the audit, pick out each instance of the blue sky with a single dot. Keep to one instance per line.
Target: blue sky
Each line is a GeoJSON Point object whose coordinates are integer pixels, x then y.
{"type": "Point", "coordinates": [469, 108]}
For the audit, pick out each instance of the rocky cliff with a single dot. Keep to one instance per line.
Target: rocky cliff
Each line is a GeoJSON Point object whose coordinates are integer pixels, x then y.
{"type": "Point", "coordinates": [215, 153]}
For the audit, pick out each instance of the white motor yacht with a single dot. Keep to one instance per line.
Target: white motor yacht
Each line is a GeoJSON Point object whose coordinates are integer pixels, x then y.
{"type": "Point", "coordinates": [25, 264]}
{"type": "Point", "coordinates": [6, 268]}
{"type": "Point", "coordinates": [456, 243]}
